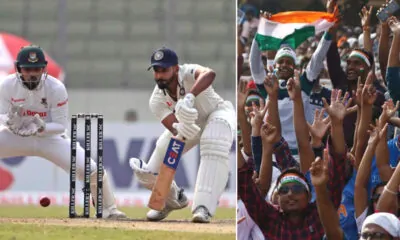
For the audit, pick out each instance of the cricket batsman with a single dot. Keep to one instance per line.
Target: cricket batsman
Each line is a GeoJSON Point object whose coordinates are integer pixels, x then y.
{"type": "Point", "coordinates": [34, 118]}
{"type": "Point", "coordinates": [187, 105]}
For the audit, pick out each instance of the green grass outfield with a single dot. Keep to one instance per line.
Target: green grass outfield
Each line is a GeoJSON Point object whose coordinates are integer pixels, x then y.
{"type": "Point", "coordinates": [51, 223]}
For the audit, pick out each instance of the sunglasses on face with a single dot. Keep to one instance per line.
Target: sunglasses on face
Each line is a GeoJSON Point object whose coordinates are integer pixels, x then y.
{"type": "Point", "coordinates": [295, 189]}
{"type": "Point", "coordinates": [375, 235]}
{"type": "Point", "coordinates": [250, 103]}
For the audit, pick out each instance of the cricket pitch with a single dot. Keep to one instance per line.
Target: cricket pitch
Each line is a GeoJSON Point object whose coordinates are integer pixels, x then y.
{"type": "Point", "coordinates": [217, 226]}
{"type": "Point", "coordinates": [30, 222]}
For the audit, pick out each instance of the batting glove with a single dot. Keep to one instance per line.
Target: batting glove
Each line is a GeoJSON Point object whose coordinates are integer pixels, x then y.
{"type": "Point", "coordinates": [184, 110]}
{"type": "Point", "coordinates": [188, 131]}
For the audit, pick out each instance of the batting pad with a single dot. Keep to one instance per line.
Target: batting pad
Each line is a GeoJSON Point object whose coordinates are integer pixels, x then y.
{"type": "Point", "coordinates": [108, 196]}
{"type": "Point", "coordinates": [147, 179]}
{"type": "Point", "coordinates": [158, 154]}
{"type": "Point", "coordinates": [212, 177]}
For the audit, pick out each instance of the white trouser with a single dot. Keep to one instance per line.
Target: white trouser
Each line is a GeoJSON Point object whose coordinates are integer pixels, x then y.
{"type": "Point", "coordinates": [56, 149]}
{"type": "Point", "coordinates": [214, 168]}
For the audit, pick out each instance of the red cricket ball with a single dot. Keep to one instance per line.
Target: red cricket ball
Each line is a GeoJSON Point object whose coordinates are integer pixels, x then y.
{"type": "Point", "coordinates": [44, 201]}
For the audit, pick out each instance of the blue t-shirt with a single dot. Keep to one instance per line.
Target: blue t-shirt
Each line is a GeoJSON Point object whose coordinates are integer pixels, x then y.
{"type": "Point", "coordinates": [346, 210]}
{"type": "Point", "coordinates": [394, 154]}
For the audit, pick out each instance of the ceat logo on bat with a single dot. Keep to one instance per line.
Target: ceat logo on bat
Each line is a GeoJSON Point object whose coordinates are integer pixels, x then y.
{"type": "Point", "coordinates": [173, 154]}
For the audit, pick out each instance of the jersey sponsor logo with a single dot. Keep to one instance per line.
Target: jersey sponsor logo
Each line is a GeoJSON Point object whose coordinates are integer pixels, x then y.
{"type": "Point", "coordinates": [342, 211]}
{"type": "Point", "coordinates": [62, 103]}
{"type": "Point", "coordinates": [17, 99]}
{"type": "Point", "coordinates": [33, 113]}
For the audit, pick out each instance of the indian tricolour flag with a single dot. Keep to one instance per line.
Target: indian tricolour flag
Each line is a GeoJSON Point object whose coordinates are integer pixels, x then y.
{"type": "Point", "coordinates": [291, 28]}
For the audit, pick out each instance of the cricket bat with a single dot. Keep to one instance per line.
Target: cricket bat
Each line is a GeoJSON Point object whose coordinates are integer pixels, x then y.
{"type": "Point", "coordinates": [166, 174]}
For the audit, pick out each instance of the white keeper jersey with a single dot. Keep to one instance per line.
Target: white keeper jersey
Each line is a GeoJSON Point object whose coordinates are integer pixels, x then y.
{"type": "Point", "coordinates": [49, 99]}
{"type": "Point", "coordinates": [206, 102]}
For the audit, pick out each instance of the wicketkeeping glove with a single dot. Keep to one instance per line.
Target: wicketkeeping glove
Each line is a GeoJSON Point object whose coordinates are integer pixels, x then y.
{"type": "Point", "coordinates": [32, 127]}
{"type": "Point", "coordinates": [15, 119]}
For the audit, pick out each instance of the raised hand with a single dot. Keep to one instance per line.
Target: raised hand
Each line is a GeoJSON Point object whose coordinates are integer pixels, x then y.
{"type": "Point", "coordinates": [394, 25]}
{"type": "Point", "coordinates": [241, 95]}
{"type": "Point", "coordinates": [338, 108]}
{"type": "Point", "coordinates": [293, 86]}
{"type": "Point", "coordinates": [375, 134]}
{"type": "Point", "coordinates": [369, 91]}
{"type": "Point", "coordinates": [369, 95]}
{"type": "Point", "coordinates": [365, 16]}
{"type": "Point", "coordinates": [350, 157]}
{"type": "Point", "coordinates": [330, 5]}
{"type": "Point", "coordinates": [270, 134]}
{"type": "Point", "coordinates": [358, 93]}
{"type": "Point", "coordinates": [319, 127]}
{"type": "Point", "coordinates": [333, 8]}
{"type": "Point", "coordinates": [319, 171]}
{"type": "Point", "coordinates": [257, 115]}
{"type": "Point", "coordinates": [388, 111]}
{"type": "Point", "coordinates": [271, 84]}
{"type": "Point", "coordinates": [265, 14]}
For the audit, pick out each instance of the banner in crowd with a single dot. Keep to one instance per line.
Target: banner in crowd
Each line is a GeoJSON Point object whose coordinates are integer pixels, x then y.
{"type": "Point", "coordinates": [25, 179]}
{"type": "Point", "coordinates": [291, 28]}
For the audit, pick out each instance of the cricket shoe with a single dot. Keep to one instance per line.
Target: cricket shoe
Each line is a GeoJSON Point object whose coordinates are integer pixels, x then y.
{"type": "Point", "coordinates": [113, 213]}
{"type": "Point", "coordinates": [154, 215]}
{"type": "Point", "coordinates": [201, 215]}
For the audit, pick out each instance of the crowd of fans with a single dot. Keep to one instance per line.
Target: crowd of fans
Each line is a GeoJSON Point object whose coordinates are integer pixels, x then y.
{"type": "Point", "coordinates": [318, 146]}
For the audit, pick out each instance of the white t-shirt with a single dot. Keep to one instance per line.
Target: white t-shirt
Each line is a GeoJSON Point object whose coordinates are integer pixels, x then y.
{"type": "Point", "coordinates": [275, 174]}
{"type": "Point", "coordinates": [49, 100]}
{"type": "Point", "coordinates": [360, 219]}
{"type": "Point", "coordinates": [206, 102]}
{"type": "Point", "coordinates": [247, 229]}
{"type": "Point", "coordinates": [249, 26]}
